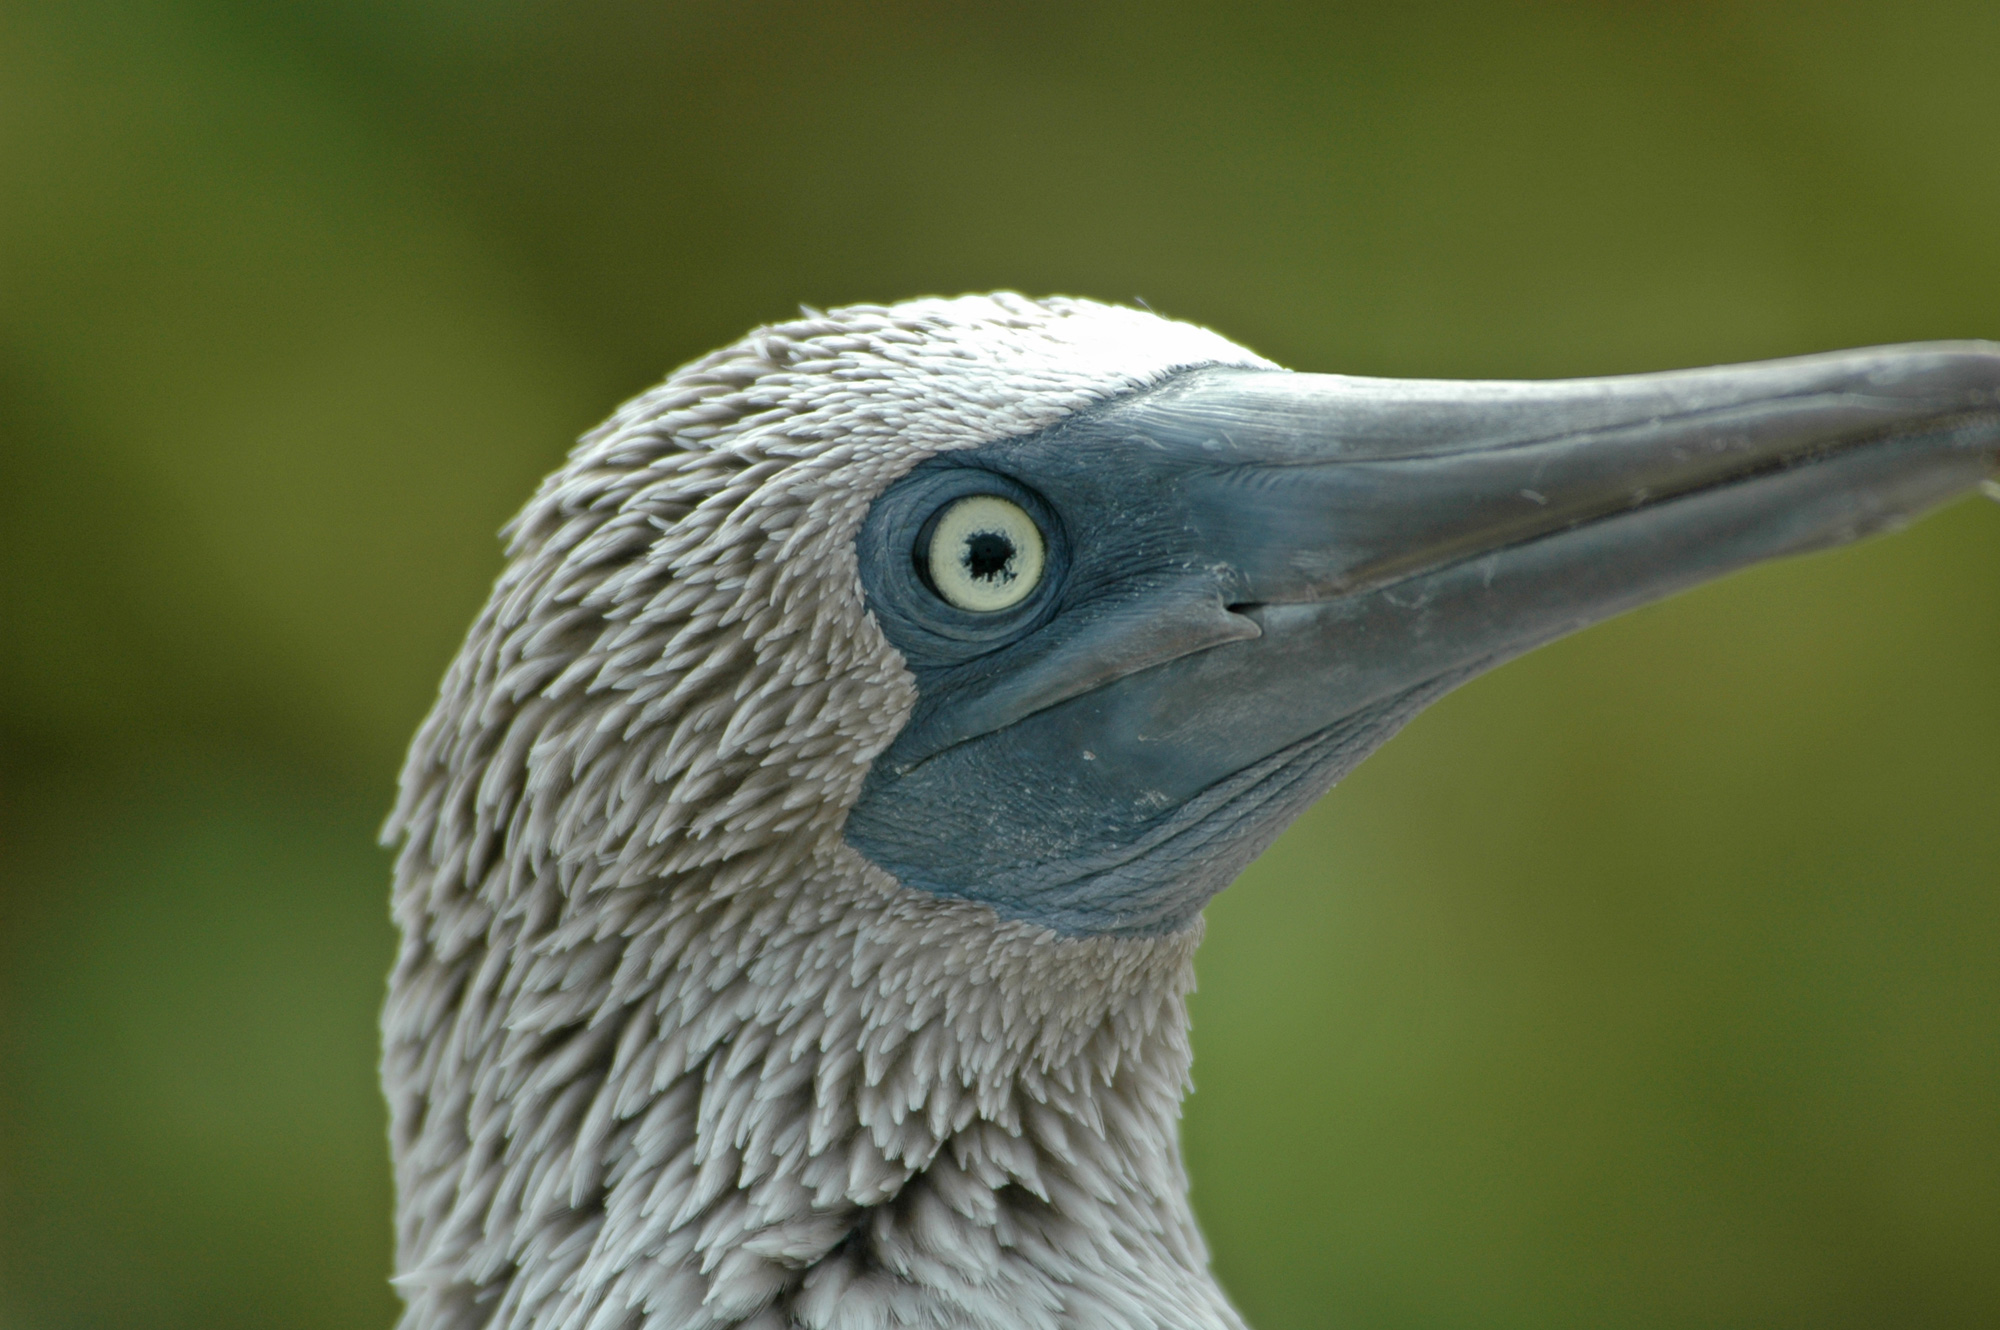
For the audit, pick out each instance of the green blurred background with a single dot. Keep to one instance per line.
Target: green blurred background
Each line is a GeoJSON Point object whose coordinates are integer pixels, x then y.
{"type": "Point", "coordinates": [1650, 981]}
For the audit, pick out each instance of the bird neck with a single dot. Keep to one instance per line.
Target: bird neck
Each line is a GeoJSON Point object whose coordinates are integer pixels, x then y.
{"type": "Point", "coordinates": [804, 1099]}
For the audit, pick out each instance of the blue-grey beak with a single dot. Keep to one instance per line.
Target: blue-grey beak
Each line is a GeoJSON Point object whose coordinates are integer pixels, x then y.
{"type": "Point", "coordinates": [1267, 572]}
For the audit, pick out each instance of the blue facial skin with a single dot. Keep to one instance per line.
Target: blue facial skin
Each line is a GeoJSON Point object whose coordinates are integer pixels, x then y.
{"type": "Point", "coordinates": [1254, 578]}
{"type": "Point", "coordinates": [1101, 813]}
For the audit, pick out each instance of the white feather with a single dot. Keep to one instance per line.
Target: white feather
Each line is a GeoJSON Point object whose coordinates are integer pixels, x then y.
{"type": "Point", "coordinates": [660, 1049]}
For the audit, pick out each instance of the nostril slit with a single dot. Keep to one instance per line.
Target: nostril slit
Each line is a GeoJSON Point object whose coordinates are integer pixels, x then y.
{"type": "Point", "coordinates": [1244, 606]}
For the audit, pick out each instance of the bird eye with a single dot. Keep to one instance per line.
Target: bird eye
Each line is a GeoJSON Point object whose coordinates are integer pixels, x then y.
{"type": "Point", "coordinates": [985, 554]}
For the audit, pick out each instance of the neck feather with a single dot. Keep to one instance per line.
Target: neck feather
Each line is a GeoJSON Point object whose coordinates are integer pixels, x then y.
{"type": "Point", "coordinates": [787, 1096]}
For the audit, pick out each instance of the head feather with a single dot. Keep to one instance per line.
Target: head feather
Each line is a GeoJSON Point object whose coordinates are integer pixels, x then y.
{"type": "Point", "coordinates": [660, 1048]}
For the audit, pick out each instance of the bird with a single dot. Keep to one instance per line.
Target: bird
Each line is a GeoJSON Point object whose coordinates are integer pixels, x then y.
{"type": "Point", "coordinates": [800, 872]}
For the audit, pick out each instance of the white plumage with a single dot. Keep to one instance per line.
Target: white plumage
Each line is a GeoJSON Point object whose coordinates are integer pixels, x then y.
{"type": "Point", "coordinates": [661, 1049]}
{"type": "Point", "coordinates": [794, 939]}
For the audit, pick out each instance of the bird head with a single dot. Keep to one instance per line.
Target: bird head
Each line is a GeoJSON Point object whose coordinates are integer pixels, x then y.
{"type": "Point", "coordinates": [866, 713]}
{"type": "Point", "coordinates": [1067, 609]}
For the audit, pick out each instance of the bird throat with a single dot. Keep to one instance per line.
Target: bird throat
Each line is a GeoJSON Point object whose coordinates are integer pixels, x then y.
{"type": "Point", "coordinates": [832, 1103]}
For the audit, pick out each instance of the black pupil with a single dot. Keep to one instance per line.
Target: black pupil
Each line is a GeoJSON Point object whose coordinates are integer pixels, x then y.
{"type": "Point", "coordinates": [987, 554]}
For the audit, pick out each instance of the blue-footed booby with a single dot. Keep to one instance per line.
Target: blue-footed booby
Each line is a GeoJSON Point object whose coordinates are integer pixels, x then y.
{"type": "Point", "coordinates": [802, 866]}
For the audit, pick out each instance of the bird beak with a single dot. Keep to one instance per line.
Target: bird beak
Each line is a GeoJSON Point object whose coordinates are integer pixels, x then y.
{"type": "Point", "coordinates": [1326, 555]}
{"type": "Point", "coordinates": [1472, 521]}
{"type": "Point", "coordinates": [1386, 536]}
